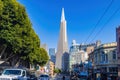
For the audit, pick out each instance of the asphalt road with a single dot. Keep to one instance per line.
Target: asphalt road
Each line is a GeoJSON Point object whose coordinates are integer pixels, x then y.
{"type": "Point", "coordinates": [59, 77]}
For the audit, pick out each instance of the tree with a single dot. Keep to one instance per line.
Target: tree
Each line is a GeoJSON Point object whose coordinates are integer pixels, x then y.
{"type": "Point", "coordinates": [17, 37]}
{"type": "Point", "coordinates": [40, 58]}
{"type": "Point", "coordinates": [56, 70]}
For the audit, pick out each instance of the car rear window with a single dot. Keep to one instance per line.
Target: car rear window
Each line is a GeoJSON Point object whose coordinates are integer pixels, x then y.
{"type": "Point", "coordinates": [44, 76]}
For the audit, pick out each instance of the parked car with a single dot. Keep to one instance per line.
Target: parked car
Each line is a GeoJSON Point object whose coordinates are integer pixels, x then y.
{"type": "Point", "coordinates": [14, 74]}
{"type": "Point", "coordinates": [44, 77]}
{"type": "Point", "coordinates": [33, 77]}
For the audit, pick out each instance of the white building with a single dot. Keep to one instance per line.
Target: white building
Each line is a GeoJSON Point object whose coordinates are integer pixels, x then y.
{"type": "Point", "coordinates": [76, 55]}
{"type": "Point", "coordinates": [62, 49]}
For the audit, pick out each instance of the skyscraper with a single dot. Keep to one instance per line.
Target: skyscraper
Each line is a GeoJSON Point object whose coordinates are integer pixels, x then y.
{"type": "Point", "coordinates": [51, 51]}
{"type": "Point", "coordinates": [52, 54]}
{"type": "Point", "coordinates": [62, 48]}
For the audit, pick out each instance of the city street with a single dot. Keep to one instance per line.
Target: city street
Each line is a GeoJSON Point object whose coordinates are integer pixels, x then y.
{"type": "Point", "coordinates": [59, 77]}
{"type": "Point", "coordinates": [60, 40]}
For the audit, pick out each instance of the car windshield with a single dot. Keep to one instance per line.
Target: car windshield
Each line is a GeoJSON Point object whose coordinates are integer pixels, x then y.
{"type": "Point", "coordinates": [12, 72]}
{"type": "Point", "coordinates": [44, 76]}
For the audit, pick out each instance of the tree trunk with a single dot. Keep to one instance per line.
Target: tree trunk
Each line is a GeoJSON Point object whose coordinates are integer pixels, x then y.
{"type": "Point", "coordinates": [3, 51]}
{"type": "Point", "coordinates": [17, 64]}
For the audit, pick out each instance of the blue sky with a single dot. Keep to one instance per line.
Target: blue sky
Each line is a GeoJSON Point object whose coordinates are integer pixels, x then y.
{"type": "Point", "coordinates": [81, 17]}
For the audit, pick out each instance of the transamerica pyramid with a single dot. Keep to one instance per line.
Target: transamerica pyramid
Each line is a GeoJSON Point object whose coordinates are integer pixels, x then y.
{"type": "Point", "coordinates": [62, 47]}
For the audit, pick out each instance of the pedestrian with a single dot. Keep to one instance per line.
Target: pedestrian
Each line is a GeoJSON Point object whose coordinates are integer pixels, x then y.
{"type": "Point", "coordinates": [63, 77]}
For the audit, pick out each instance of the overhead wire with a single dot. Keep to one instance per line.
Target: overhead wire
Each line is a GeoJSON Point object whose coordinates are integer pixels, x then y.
{"type": "Point", "coordinates": [105, 24]}
{"type": "Point", "coordinates": [99, 20]}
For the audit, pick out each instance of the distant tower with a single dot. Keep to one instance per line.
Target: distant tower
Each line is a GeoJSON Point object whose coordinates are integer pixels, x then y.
{"type": "Point", "coordinates": [52, 54]}
{"type": "Point", "coordinates": [98, 43]}
{"type": "Point", "coordinates": [62, 48]}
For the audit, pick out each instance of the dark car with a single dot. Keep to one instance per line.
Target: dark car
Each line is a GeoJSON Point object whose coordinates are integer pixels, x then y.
{"type": "Point", "coordinates": [32, 77]}
{"type": "Point", "coordinates": [44, 77]}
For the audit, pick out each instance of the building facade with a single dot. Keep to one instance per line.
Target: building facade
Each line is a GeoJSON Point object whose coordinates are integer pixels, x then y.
{"type": "Point", "coordinates": [74, 55]}
{"type": "Point", "coordinates": [51, 51]}
{"type": "Point", "coordinates": [104, 59]}
{"type": "Point", "coordinates": [118, 48]}
{"type": "Point", "coordinates": [51, 68]}
{"type": "Point", "coordinates": [79, 53]}
{"type": "Point", "coordinates": [62, 49]}
{"type": "Point", "coordinates": [52, 55]}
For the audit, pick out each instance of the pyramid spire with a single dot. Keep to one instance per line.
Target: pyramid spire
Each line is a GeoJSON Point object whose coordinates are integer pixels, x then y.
{"type": "Point", "coordinates": [63, 15]}
{"type": "Point", "coordinates": [62, 48]}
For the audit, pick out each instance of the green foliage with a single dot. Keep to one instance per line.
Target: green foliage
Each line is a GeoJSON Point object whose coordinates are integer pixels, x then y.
{"type": "Point", "coordinates": [41, 58]}
{"type": "Point", "coordinates": [56, 70]}
{"type": "Point", "coordinates": [16, 32]}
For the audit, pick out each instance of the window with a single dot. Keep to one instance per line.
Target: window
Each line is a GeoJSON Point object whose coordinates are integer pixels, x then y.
{"type": "Point", "coordinates": [23, 74]}
{"type": "Point", "coordinates": [113, 69]}
{"type": "Point", "coordinates": [102, 56]}
{"type": "Point", "coordinates": [95, 57]}
{"type": "Point", "coordinates": [106, 57]}
{"type": "Point", "coordinates": [104, 69]}
{"type": "Point", "coordinates": [114, 55]}
{"type": "Point", "coordinates": [12, 72]}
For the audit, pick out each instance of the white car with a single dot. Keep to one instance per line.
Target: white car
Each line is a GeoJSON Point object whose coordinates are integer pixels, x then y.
{"type": "Point", "coordinates": [13, 74]}
{"type": "Point", "coordinates": [44, 77]}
